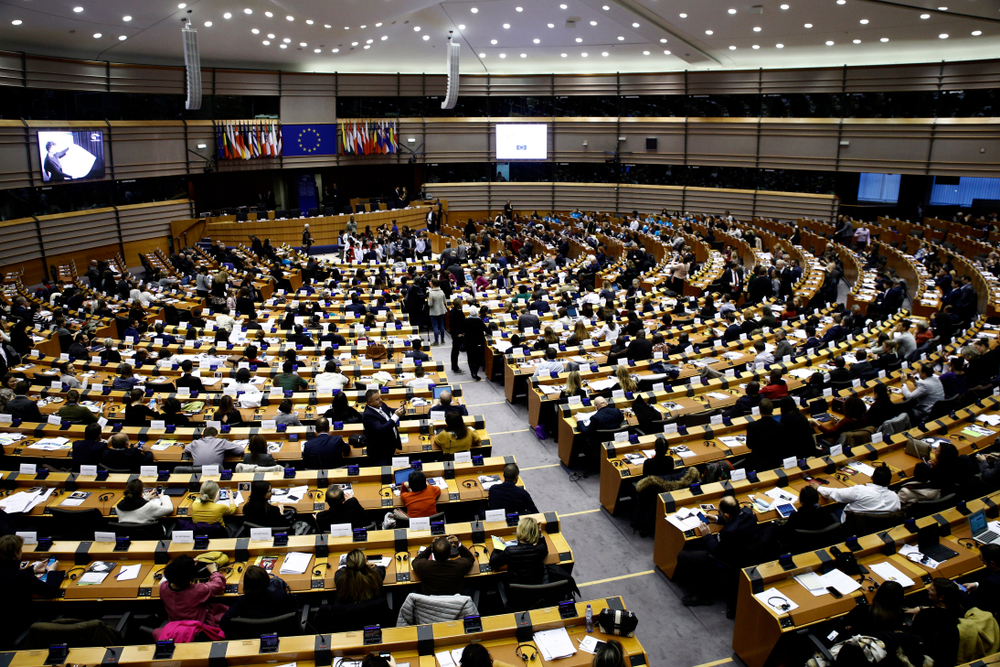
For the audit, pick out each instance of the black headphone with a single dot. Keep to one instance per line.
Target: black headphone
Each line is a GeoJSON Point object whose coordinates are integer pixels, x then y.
{"type": "Point", "coordinates": [782, 606]}
{"type": "Point", "coordinates": [470, 484]}
{"type": "Point", "coordinates": [74, 576]}
{"type": "Point", "coordinates": [972, 544]}
{"type": "Point", "coordinates": [402, 557]}
{"type": "Point", "coordinates": [317, 571]}
{"type": "Point", "coordinates": [873, 587]}
{"type": "Point", "coordinates": [104, 497]}
{"type": "Point", "coordinates": [159, 574]}
{"type": "Point", "coordinates": [523, 655]}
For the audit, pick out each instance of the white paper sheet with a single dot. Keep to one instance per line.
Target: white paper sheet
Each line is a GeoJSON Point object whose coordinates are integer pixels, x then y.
{"type": "Point", "coordinates": [129, 572]}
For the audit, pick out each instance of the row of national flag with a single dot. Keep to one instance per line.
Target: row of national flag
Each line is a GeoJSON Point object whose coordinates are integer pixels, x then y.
{"type": "Point", "coordinates": [248, 140]}
{"type": "Point", "coordinates": [368, 137]}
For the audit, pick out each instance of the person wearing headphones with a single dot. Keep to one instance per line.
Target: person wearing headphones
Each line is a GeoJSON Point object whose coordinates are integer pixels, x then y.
{"type": "Point", "coordinates": [264, 596]}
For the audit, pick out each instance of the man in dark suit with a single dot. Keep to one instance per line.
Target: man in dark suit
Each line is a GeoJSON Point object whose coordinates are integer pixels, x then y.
{"type": "Point", "coordinates": [840, 372]}
{"type": "Point", "coordinates": [734, 330]}
{"type": "Point", "coordinates": [417, 351]}
{"type": "Point", "coordinates": [341, 510]}
{"type": "Point", "coordinates": [607, 418]}
{"type": "Point", "coordinates": [509, 496]}
{"type": "Point", "coordinates": [325, 450]}
{"type": "Point", "coordinates": [307, 239]}
{"type": "Point", "coordinates": [21, 407]}
{"type": "Point", "coordinates": [79, 349]}
{"type": "Point", "coordinates": [745, 404]}
{"type": "Point", "coordinates": [445, 403]}
{"type": "Point", "coordinates": [763, 436]}
{"type": "Point", "coordinates": [381, 428]}
{"type": "Point", "coordinates": [456, 323]}
{"type": "Point", "coordinates": [53, 167]}
{"type": "Point", "coordinates": [639, 349]}
{"type": "Point", "coordinates": [188, 380]}
{"type": "Point", "coordinates": [527, 320]}
{"type": "Point", "coordinates": [836, 332]}
{"type": "Point", "coordinates": [862, 366]}
{"type": "Point", "coordinates": [122, 456]}
{"type": "Point", "coordinates": [730, 283]}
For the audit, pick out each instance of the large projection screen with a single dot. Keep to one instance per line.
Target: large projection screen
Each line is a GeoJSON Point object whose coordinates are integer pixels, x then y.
{"type": "Point", "coordinates": [522, 141]}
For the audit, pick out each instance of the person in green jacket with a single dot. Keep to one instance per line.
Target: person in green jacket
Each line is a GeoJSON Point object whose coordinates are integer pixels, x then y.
{"type": "Point", "coordinates": [74, 412]}
{"type": "Point", "coordinates": [288, 380]}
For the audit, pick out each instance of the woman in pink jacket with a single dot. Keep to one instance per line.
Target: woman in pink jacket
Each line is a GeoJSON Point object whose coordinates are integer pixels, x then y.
{"type": "Point", "coordinates": [186, 601]}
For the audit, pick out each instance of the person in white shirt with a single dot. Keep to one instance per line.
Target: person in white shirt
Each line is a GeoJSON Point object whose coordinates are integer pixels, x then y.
{"type": "Point", "coordinates": [763, 358]}
{"type": "Point", "coordinates": [223, 319]}
{"type": "Point", "coordinates": [609, 330]}
{"type": "Point", "coordinates": [210, 450]}
{"type": "Point", "coordinates": [140, 506]}
{"type": "Point", "coordinates": [331, 378]}
{"type": "Point", "coordinates": [549, 366]}
{"type": "Point", "coordinates": [905, 342]}
{"type": "Point", "coordinates": [590, 297]}
{"type": "Point", "coordinates": [873, 497]}
{"type": "Point", "coordinates": [927, 391]}
{"type": "Point", "coordinates": [420, 382]}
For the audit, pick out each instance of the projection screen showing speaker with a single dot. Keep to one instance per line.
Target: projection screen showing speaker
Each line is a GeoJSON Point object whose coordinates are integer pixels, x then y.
{"type": "Point", "coordinates": [71, 156]}
{"type": "Point", "coordinates": [522, 141]}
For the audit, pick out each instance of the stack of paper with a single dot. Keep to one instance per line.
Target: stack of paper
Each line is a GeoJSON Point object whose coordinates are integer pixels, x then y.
{"type": "Point", "coordinates": [890, 573]}
{"type": "Point", "coordinates": [817, 584]}
{"type": "Point", "coordinates": [554, 644]}
{"type": "Point", "coordinates": [129, 572]}
{"type": "Point", "coordinates": [295, 563]}
{"type": "Point", "coordinates": [25, 501]}
{"type": "Point", "coordinates": [912, 553]}
{"type": "Point", "coordinates": [685, 519]}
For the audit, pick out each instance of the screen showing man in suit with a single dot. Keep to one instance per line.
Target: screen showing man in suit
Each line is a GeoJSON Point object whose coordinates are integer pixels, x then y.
{"type": "Point", "coordinates": [71, 156]}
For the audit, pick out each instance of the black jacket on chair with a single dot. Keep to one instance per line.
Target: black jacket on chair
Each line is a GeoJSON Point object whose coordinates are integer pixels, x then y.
{"type": "Point", "coordinates": [525, 562]}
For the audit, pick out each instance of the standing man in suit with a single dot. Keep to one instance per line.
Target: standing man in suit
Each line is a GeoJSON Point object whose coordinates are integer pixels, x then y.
{"type": "Point", "coordinates": [763, 436]}
{"type": "Point", "coordinates": [475, 340]}
{"type": "Point", "coordinates": [307, 239]}
{"type": "Point", "coordinates": [381, 428]}
{"type": "Point", "coordinates": [53, 167]}
{"type": "Point", "coordinates": [456, 321]}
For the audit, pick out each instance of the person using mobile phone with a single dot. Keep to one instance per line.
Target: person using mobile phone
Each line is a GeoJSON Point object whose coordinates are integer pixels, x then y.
{"type": "Point", "coordinates": [141, 505]}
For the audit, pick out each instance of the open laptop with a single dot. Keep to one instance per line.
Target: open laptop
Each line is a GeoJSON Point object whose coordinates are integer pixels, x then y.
{"type": "Point", "coordinates": [402, 475]}
{"type": "Point", "coordinates": [928, 542]}
{"type": "Point", "coordinates": [440, 389]}
{"type": "Point", "coordinates": [980, 529]}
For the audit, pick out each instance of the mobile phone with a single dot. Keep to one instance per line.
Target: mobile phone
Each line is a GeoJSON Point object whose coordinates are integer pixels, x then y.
{"type": "Point", "coordinates": [961, 587]}
{"type": "Point", "coordinates": [834, 592]}
{"type": "Point", "coordinates": [269, 643]}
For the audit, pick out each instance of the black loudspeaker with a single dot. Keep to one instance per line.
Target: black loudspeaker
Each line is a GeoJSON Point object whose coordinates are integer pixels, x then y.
{"type": "Point", "coordinates": [650, 143]}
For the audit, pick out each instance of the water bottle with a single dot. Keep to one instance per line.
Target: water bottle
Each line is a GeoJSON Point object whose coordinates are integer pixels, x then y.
{"type": "Point", "coordinates": [590, 619]}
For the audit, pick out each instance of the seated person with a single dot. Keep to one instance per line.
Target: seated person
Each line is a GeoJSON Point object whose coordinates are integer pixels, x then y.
{"type": "Point", "coordinates": [420, 381]}
{"type": "Point", "coordinates": [776, 387]}
{"type": "Point", "coordinates": [457, 436]}
{"type": "Point", "coordinates": [325, 450]}
{"type": "Point", "coordinates": [419, 497]}
{"type": "Point", "coordinates": [745, 404]}
{"type": "Point", "coordinates": [21, 407]}
{"type": "Point", "coordinates": [341, 509]}
{"type": "Point", "coordinates": [285, 415]}
{"type": "Point", "coordinates": [137, 414]}
{"type": "Point", "coordinates": [875, 496]}
{"type": "Point", "coordinates": [211, 450]}
{"type": "Point", "coordinates": [188, 380]}
{"type": "Point", "coordinates": [807, 516]}
{"type": "Point", "coordinates": [445, 403]}
{"type": "Point", "coordinates": [985, 593]}
{"type": "Point", "coordinates": [288, 380]}
{"type": "Point", "coordinates": [227, 414]}
{"type": "Point", "coordinates": [122, 456]}
{"type": "Point", "coordinates": [840, 373]}
{"type": "Point", "coordinates": [258, 453]}
{"type": "Point", "coordinates": [358, 581]}
{"type": "Point", "coordinates": [139, 505]}
{"type": "Point", "coordinates": [510, 497]}
{"type": "Point", "coordinates": [66, 376]}
{"type": "Point", "coordinates": [259, 509]}
{"type": "Point", "coordinates": [188, 601]}
{"type": "Point", "coordinates": [172, 412]}
{"type": "Point", "coordinates": [264, 596]}
{"type": "Point", "coordinates": [342, 410]}
{"type": "Point", "coordinates": [125, 381]}
{"type": "Point", "coordinates": [525, 561]}
{"type": "Point", "coordinates": [443, 575]}
{"type": "Point", "coordinates": [920, 488]}
{"type": "Point", "coordinates": [417, 353]}
{"type": "Point", "coordinates": [20, 585]}
{"type": "Point", "coordinates": [75, 413]}
{"type": "Point", "coordinates": [332, 378]}
{"type": "Point", "coordinates": [207, 509]}
{"type": "Point", "coordinates": [88, 452]}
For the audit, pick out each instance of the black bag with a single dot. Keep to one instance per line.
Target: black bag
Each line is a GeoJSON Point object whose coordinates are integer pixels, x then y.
{"type": "Point", "coordinates": [846, 562]}
{"type": "Point", "coordinates": [620, 623]}
{"type": "Point", "coordinates": [357, 441]}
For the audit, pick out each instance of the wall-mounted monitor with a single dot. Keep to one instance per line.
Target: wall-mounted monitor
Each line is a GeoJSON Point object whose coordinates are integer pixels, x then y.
{"type": "Point", "coordinates": [71, 155]}
{"type": "Point", "coordinates": [522, 141]}
{"type": "Point", "coordinates": [880, 188]}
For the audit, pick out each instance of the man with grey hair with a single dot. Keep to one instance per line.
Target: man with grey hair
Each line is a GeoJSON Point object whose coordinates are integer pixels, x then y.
{"type": "Point", "coordinates": [444, 402]}
{"type": "Point", "coordinates": [123, 456]}
{"type": "Point", "coordinates": [782, 347]}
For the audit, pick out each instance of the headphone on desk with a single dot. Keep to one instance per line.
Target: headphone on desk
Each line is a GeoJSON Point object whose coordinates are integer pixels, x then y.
{"type": "Point", "coordinates": [385, 492]}
{"type": "Point", "coordinates": [319, 573]}
{"type": "Point", "coordinates": [968, 542]}
{"type": "Point", "coordinates": [782, 605]}
{"type": "Point", "coordinates": [402, 557]}
{"type": "Point", "coordinates": [104, 497]}
{"type": "Point", "coordinates": [74, 576]}
{"type": "Point", "coordinates": [875, 585]}
{"type": "Point", "coordinates": [524, 655]}
{"type": "Point", "coordinates": [470, 484]}
{"type": "Point", "coordinates": [159, 574]}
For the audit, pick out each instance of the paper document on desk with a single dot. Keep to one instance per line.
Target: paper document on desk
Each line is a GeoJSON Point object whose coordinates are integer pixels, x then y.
{"type": "Point", "coordinates": [718, 395]}
{"type": "Point", "coordinates": [912, 553]}
{"type": "Point", "coordinates": [590, 644]}
{"type": "Point", "coordinates": [583, 417]}
{"type": "Point", "coordinates": [863, 468]}
{"type": "Point", "coordinates": [550, 389]}
{"type": "Point", "coordinates": [601, 385]}
{"type": "Point", "coordinates": [774, 600]}
{"type": "Point", "coordinates": [684, 519]}
{"type": "Point", "coordinates": [991, 420]}
{"type": "Point", "coordinates": [840, 581]}
{"type": "Point", "coordinates": [554, 644]}
{"type": "Point", "coordinates": [439, 482]}
{"type": "Point", "coordinates": [445, 660]}
{"type": "Point", "coordinates": [129, 572]}
{"type": "Point", "coordinates": [295, 562]}
{"type": "Point", "coordinates": [780, 496]}
{"type": "Point", "coordinates": [890, 573]}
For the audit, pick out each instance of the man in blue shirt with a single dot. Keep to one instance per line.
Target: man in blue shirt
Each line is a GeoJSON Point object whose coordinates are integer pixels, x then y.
{"type": "Point", "coordinates": [325, 450]}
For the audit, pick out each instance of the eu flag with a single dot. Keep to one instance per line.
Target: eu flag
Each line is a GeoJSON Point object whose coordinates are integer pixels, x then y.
{"type": "Point", "coordinates": [309, 140]}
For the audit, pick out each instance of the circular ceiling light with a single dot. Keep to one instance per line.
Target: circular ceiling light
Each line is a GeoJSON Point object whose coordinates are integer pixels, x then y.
{"type": "Point", "coordinates": [605, 8]}
{"type": "Point", "coordinates": [503, 55]}
{"type": "Point", "coordinates": [80, 9]}
{"type": "Point", "coordinates": [732, 48]}
{"type": "Point", "coordinates": [208, 24]}
{"type": "Point", "coordinates": [579, 39]}
{"type": "Point", "coordinates": [755, 47]}
{"type": "Point", "coordinates": [829, 43]}
{"type": "Point", "coordinates": [524, 55]}
{"type": "Point", "coordinates": [683, 16]}
{"type": "Point", "coordinates": [925, 16]}
{"type": "Point", "coordinates": [857, 41]}
{"type": "Point", "coordinates": [289, 18]}
{"type": "Point", "coordinates": [474, 10]}
{"type": "Point", "coordinates": [562, 55]}
{"type": "Point", "coordinates": [255, 31]}
{"type": "Point", "coordinates": [180, 6]}
{"type": "Point", "coordinates": [269, 15]}
{"type": "Point", "coordinates": [779, 46]}
{"type": "Point", "coordinates": [732, 11]}
{"type": "Point", "coordinates": [309, 21]}
{"type": "Point", "coordinates": [379, 25]}
{"type": "Point", "coordinates": [784, 6]}
{"type": "Point", "coordinates": [709, 32]}
{"type": "Point", "coordinates": [536, 41]}
{"type": "Point", "coordinates": [122, 38]}
{"type": "Point", "coordinates": [493, 41]}
{"type": "Point", "coordinates": [248, 11]}
{"type": "Point", "coordinates": [369, 41]}
{"type": "Point", "coordinates": [270, 35]}
{"type": "Point", "coordinates": [942, 9]}
{"type": "Point", "coordinates": [334, 50]}
{"type": "Point", "coordinates": [482, 55]}
{"type": "Point", "coordinates": [227, 15]}
{"type": "Point", "coordinates": [266, 43]}
{"type": "Point", "coordinates": [426, 37]}
{"type": "Point", "coordinates": [621, 38]}
{"type": "Point", "coordinates": [808, 25]}
{"type": "Point", "coordinates": [562, 6]}
{"type": "Point", "coordinates": [384, 37]}
{"type": "Point", "coordinates": [605, 54]}
{"type": "Point", "coordinates": [645, 53]}
{"type": "Point", "coordinates": [864, 21]}
{"type": "Point", "coordinates": [583, 55]}
{"type": "Point", "coordinates": [593, 23]}
{"type": "Point", "coordinates": [635, 25]}
{"type": "Point", "coordinates": [884, 39]}
{"type": "Point", "coordinates": [663, 40]}
{"type": "Point", "coordinates": [16, 22]}
{"type": "Point", "coordinates": [665, 52]}
{"type": "Point", "coordinates": [756, 28]}
{"type": "Point", "coordinates": [519, 9]}
{"type": "Point", "coordinates": [977, 33]}
{"type": "Point", "coordinates": [317, 50]}
{"type": "Point", "coordinates": [461, 26]}
{"type": "Point", "coordinates": [287, 40]}
{"type": "Point", "coordinates": [354, 43]}
{"type": "Point", "coordinates": [841, 2]}
{"type": "Point", "coordinates": [943, 35]}
{"type": "Point", "coordinates": [552, 25]}
{"type": "Point", "coordinates": [97, 35]}
{"type": "Point", "coordinates": [284, 46]}
{"type": "Point", "coordinates": [416, 28]}
{"type": "Point", "coordinates": [126, 18]}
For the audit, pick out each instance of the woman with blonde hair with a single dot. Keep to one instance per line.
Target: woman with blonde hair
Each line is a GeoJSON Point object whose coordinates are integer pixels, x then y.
{"type": "Point", "coordinates": [358, 581]}
{"type": "Point", "coordinates": [207, 509]}
{"type": "Point", "coordinates": [574, 387]}
{"type": "Point", "coordinates": [525, 561]}
{"type": "Point", "coordinates": [625, 380]}
{"type": "Point", "coordinates": [580, 334]}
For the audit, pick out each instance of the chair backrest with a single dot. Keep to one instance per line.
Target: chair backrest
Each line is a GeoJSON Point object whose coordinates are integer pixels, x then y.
{"type": "Point", "coordinates": [295, 213]}
{"type": "Point", "coordinates": [866, 523]}
{"type": "Point", "coordinates": [923, 508]}
{"type": "Point", "coordinates": [76, 524]}
{"type": "Point", "coordinates": [810, 540]}
{"type": "Point", "coordinates": [343, 617]}
{"type": "Point", "coordinates": [524, 596]}
{"type": "Point", "coordinates": [149, 530]}
{"type": "Point", "coordinates": [241, 627]}
{"type": "Point", "coordinates": [897, 424]}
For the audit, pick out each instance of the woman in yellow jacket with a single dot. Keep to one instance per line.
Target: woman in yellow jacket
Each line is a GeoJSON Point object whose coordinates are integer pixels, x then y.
{"type": "Point", "coordinates": [457, 437]}
{"type": "Point", "coordinates": [207, 509]}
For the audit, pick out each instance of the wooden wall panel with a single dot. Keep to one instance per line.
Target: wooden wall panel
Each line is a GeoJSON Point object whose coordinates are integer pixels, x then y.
{"type": "Point", "coordinates": [963, 149]}
{"type": "Point", "coordinates": [20, 242]}
{"type": "Point", "coordinates": [149, 79]}
{"type": "Point", "coordinates": [81, 230]}
{"type": "Point", "coordinates": [144, 221]}
{"type": "Point", "coordinates": [568, 135]}
{"type": "Point", "coordinates": [150, 149]}
{"type": "Point", "coordinates": [15, 167]}
{"type": "Point", "coordinates": [877, 147]}
{"type": "Point", "coordinates": [723, 144]}
{"type": "Point", "coordinates": [798, 145]}
{"type": "Point", "coordinates": [650, 198]}
{"type": "Point", "coordinates": [459, 140]}
{"type": "Point", "coordinates": [241, 82]}
{"type": "Point", "coordinates": [718, 201]}
{"type": "Point", "coordinates": [64, 74]}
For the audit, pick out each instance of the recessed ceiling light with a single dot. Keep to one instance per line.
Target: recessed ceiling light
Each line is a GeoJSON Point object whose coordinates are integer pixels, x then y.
{"type": "Point", "coordinates": [347, 27]}
{"type": "Point", "coordinates": [709, 32]}
{"type": "Point", "coordinates": [562, 55]}
{"type": "Point", "coordinates": [266, 43]}
{"type": "Point", "coordinates": [683, 16]}
{"type": "Point", "coordinates": [536, 41]}
{"type": "Point", "coordinates": [354, 43]}
{"type": "Point", "coordinates": [474, 10]}
{"type": "Point", "coordinates": [270, 35]}
{"type": "Point", "coordinates": [493, 41]}
{"type": "Point", "coordinates": [208, 24]}
{"type": "Point", "coordinates": [593, 23]}
{"type": "Point", "coordinates": [248, 11]}
{"type": "Point", "coordinates": [605, 8]}
{"type": "Point", "coordinates": [732, 11]}
{"type": "Point", "coordinates": [841, 2]}
{"type": "Point", "coordinates": [363, 27]}
{"type": "Point", "coordinates": [635, 25]}
{"type": "Point", "coordinates": [829, 43]}
{"type": "Point", "coordinates": [416, 28]}
{"type": "Point", "coordinates": [942, 9]}
{"type": "Point", "coordinates": [621, 38]}
{"type": "Point", "coordinates": [317, 50]}
{"type": "Point", "coordinates": [379, 25]}
{"type": "Point", "coordinates": [755, 47]}
{"type": "Point", "coordinates": [227, 15]}
{"type": "Point", "coordinates": [666, 53]}
{"type": "Point", "coordinates": [269, 15]}
{"type": "Point", "coordinates": [583, 55]}
{"type": "Point", "coordinates": [519, 9]}
{"type": "Point", "coordinates": [864, 21]}
{"type": "Point", "coordinates": [80, 9]}
{"type": "Point", "coordinates": [779, 46]}
{"type": "Point", "coordinates": [524, 55]}
{"type": "Point", "coordinates": [290, 18]}
{"type": "Point", "coordinates": [126, 18]}
{"type": "Point", "coordinates": [284, 46]}
{"type": "Point", "coordinates": [384, 37]}
{"type": "Point", "coordinates": [334, 50]}
{"type": "Point", "coordinates": [255, 31]}
{"type": "Point", "coordinates": [372, 40]}
{"type": "Point", "coordinates": [645, 53]}
{"type": "Point", "coordinates": [605, 54]}
{"type": "Point", "coordinates": [327, 26]}
{"type": "Point", "coordinates": [943, 35]}
{"type": "Point", "coordinates": [16, 22]}
{"type": "Point", "coordinates": [884, 39]}
{"type": "Point", "coordinates": [756, 28]}
{"type": "Point", "coordinates": [180, 6]}
{"type": "Point", "coordinates": [309, 21]}
{"type": "Point", "coordinates": [503, 55]}
{"type": "Point", "coordinates": [663, 40]}
{"type": "Point", "coordinates": [857, 41]}
{"type": "Point", "coordinates": [122, 38]}
{"type": "Point", "coordinates": [287, 40]}
{"type": "Point", "coordinates": [426, 37]}
{"type": "Point", "coordinates": [784, 6]}
{"type": "Point", "coordinates": [809, 25]}
{"type": "Point", "coordinates": [461, 26]}
{"type": "Point", "coordinates": [97, 35]}
{"type": "Point", "coordinates": [562, 6]}
{"type": "Point", "coordinates": [977, 33]}
{"type": "Point", "coordinates": [925, 16]}
{"type": "Point", "coordinates": [579, 39]}
{"type": "Point", "coordinates": [552, 25]}
{"type": "Point", "coordinates": [732, 48]}
{"type": "Point", "coordinates": [482, 55]}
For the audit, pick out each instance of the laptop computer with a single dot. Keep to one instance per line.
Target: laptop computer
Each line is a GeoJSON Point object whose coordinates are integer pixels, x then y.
{"type": "Point", "coordinates": [980, 529]}
{"type": "Point", "coordinates": [439, 389]}
{"type": "Point", "coordinates": [402, 475]}
{"type": "Point", "coordinates": [928, 542]}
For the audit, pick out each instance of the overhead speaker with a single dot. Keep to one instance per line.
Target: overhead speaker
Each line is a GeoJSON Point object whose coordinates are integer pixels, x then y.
{"type": "Point", "coordinates": [192, 62]}
{"type": "Point", "coordinates": [452, 96]}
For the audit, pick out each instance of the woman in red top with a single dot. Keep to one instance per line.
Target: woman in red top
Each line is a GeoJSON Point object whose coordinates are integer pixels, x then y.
{"type": "Point", "coordinates": [924, 333]}
{"type": "Point", "coordinates": [419, 497]}
{"type": "Point", "coordinates": [186, 601]}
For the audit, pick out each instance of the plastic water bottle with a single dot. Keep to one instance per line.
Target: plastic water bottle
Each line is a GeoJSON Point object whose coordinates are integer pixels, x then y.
{"type": "Point", "coordinates": [590, 619]}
